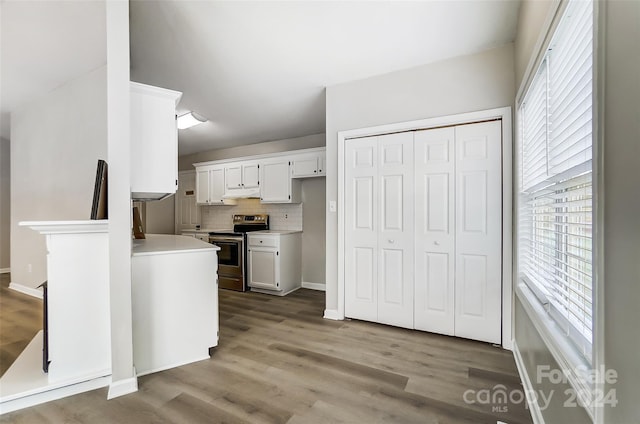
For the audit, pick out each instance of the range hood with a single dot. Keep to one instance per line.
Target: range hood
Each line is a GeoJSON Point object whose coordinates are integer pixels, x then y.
{"type": "Point", "coordinates": [147, 197]}
{"type": "Point", "coordinates": [245, 193]}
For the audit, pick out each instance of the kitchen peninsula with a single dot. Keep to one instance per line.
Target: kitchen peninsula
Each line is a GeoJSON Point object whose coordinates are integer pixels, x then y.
{"type": "Point", "coordinates": [174, 309]}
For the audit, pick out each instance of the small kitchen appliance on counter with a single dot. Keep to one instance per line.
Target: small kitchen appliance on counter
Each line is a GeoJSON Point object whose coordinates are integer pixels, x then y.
{"type": "Point", "coordinates": [232, 268]}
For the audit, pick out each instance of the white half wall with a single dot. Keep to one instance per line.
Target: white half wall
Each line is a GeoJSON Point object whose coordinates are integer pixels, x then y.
{"type": "Point", "coordinates": [463, 84]}
{"type": "Point", "coordinates": [56, 142]}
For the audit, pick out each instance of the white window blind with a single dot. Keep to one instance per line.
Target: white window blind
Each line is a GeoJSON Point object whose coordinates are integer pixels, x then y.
{"type": "Point", "coordinates": [555, 203]}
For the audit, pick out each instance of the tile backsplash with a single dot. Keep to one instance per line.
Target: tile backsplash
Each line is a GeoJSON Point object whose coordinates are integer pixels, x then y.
{"type": "Point", "coordinates": [281, 216]}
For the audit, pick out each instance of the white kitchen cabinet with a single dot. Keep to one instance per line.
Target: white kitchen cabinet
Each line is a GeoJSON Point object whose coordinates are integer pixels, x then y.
{"type": "Point", "coordinates": [277, 185]}
{"type": "Point", "coordinates": [154, 142]}
{"type": "Point", "coordinates": [210, 186]}
{"type": "Point", "coordinates": [242, 176]}
{"type": "Point", "coordinates": [308, 165]}
{"type": "Point", "coordinates": [274, 261]}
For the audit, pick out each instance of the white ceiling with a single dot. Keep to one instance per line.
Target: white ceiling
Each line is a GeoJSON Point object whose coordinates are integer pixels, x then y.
{"type": "Point", "coordinates": [257, 70]}
{"type": "Point", "coordinates": [44, 44]}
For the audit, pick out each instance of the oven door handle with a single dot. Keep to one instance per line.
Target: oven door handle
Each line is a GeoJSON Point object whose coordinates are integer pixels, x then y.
{"type": "Point", "coordinates": [224, 239]}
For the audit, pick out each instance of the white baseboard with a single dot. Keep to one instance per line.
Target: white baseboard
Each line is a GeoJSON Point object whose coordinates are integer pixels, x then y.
{"type": "Point", "coordinates": [314, 286]}
{"type": "Point", "coordinates": [55, 394]}
{"type": "Point", "coordinates": [332, 314]}
{"type": "Point", "coordinates": [5, 270]}
{"type": "Point", "coordinates": [123, 387]}
{"type": "Point", "coordinates": [536, 413]}
{"type": "Point", "coordinates": [26, 290]}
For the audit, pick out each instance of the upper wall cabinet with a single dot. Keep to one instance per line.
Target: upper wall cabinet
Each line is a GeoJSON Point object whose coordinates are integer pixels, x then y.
{"type": "Point", "coordinates": [242, 175]}
{"type": "Point", "coordinates": [154, 142]}
{"type": "Point", "coordinates": [277, 185]}
{"type": "Point", "coordinates": [210, 186]}
{"type": "Point", "coordinates": [275, 177]}
{"type": "Point", "coordinates": [308, 165]}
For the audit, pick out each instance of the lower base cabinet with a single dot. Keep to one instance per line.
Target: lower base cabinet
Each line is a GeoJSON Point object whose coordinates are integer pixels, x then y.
{"type": "Point", "coordinates": [274, 262]}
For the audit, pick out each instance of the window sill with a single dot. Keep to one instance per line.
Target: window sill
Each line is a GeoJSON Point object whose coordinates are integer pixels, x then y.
{"type": "Point", "coordinates": [576, 369]}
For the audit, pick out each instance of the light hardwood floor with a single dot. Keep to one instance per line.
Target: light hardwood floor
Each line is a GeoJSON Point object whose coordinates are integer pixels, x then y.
{"type": "Point", "coordinates": [279, 361]}
{"type": "Point", "coordinates": [20, 321]}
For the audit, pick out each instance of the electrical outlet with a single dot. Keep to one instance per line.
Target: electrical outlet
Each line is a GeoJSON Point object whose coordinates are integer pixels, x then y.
{"type": "Point", "coordinates": [332, 206]}
{"type": "Point", "coordinates": [286, 216]}
{"type": "Point", "coordinates": [29, 268]}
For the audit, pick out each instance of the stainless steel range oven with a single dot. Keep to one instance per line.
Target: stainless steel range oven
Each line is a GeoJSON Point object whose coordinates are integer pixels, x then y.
{"type": "Point", "coordinates": [231, 257]}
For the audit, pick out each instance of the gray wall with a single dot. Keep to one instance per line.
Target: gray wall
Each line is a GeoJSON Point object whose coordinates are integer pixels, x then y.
{"type": "Point", "coordinates": [5, 203]}
{"type": "Point", "coordinates": [56, 142]}
{"type": "Point", "coordinates": [313, 230]}
{"type": "Point", "coordinates": [532, 16]}
{"type": "Point", "coordinates": [621, 176]}
{"type": "Point", "coordinates": [160, 216]}
{"type": "Point", "coordinates": [621, 142]}
{"type": "Point", "coordinates": [185, 163]}
{"type": "Point", "coordinates": [464, 84]}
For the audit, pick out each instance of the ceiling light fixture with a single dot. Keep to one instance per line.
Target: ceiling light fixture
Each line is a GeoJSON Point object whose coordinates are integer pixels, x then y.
{"type": "Point", "coordinates": [189, 119]}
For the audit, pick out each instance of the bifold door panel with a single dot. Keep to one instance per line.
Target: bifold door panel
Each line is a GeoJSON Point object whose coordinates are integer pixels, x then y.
{"type": "Point", "coordinates": [423, 230]}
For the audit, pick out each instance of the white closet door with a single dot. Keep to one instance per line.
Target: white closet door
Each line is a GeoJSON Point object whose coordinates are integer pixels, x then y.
{"type": "Point", "coordinates": [361, 230]}
{"type": "Point", "coordinates": [434, 230]}
{"type": "Point", "coordinates": [395, 231]}
{"type": "Point", "coordinates": [478, 231]}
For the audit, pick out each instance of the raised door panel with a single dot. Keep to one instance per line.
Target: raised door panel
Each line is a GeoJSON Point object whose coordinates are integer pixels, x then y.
{"type": "Point", "coordinates": [233, 175]}
{"type": "Point", "coordinates": [202, 186]}
{"type": "Point", "coordinates": [250, 175]}
{"type": "Point", "coordinates": [479, 231]}
{"type": "Point", "coordinates": [434, 233]}
{"type": "Point", "coordinates": [395, 234]}
{"type": "Point", "coordinates": [361, 238]}
{"type": "Point", "coordinates": [276, 182]}
{"type": "Point", "coordinates": [216, 186]}
{"type": "Point", "coordinates": [305, 167]}
{"type": "Point", "coordinates": [263, 269]}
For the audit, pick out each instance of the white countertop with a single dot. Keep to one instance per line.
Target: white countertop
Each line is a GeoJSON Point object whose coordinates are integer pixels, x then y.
{"type": "Point", "coordinates": [160, 244]}
{"type": "Point", "coordinates": [281, 232]}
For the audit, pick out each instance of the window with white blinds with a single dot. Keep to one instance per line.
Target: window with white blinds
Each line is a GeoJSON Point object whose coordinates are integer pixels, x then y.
{"type": "Point", "coordinates": [555, 201]}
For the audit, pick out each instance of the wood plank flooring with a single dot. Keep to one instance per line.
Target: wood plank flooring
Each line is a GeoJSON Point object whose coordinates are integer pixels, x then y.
{"type": "Point", "coordinates": [279, 361]}
{"type": "Point", "coordinates": [20, 321]}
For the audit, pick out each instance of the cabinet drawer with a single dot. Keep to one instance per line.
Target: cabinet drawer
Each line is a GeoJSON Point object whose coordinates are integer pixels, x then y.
{"type": "Point", "coordinates": [263, 241]}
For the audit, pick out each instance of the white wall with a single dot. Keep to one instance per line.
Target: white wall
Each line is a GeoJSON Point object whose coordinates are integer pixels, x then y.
{"type": "Point", "coordinates": [56, 142]}
{"type": "Point", "coordinates": [5, 203]}
{"type": "Point", "coordinates": [464, 84]}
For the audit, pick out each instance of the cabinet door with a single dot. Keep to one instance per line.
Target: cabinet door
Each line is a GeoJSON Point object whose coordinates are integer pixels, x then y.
{"type": "Point", "coordinates": [395, 229]}
{"type": "Point", "coordinates": [361, 228]}
{"type": "Point", "coordinates": [276, 182]}
{"type": "Point", "coordinates": [322, 164]}
{"type": "Point", "coordinates": [305, 167]}
{"type": "Point", "coordinates": [233, 175]}
{"type": "Point", "coordinates": [264, 268]}
{"type": "Point", "coordinates": [202, 186]}
{"type": "Point", "coordinates": [478, 305]}
{"type": "Point", "coordinates": [434, 230]}
{"type": "Point", "coordinates": [154, 140]}
{"type": "Point", "coordinates": [250, 175]}
{"type": "Point", "coordinates": [216, 183]}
